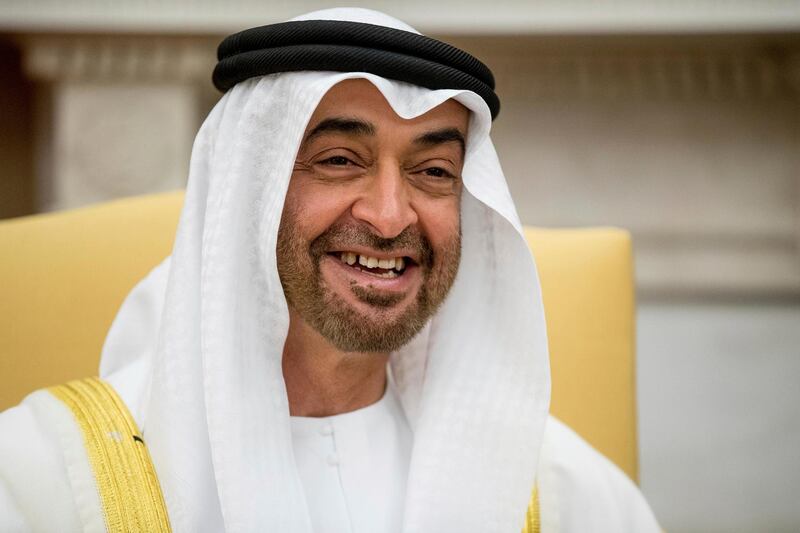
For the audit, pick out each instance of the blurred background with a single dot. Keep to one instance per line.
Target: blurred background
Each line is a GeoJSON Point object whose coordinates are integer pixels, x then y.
{"type": "Point", "coordinates": [676, 119]}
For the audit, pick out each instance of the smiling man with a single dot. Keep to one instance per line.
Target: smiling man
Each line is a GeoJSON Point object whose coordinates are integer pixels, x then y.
{"type": "Point", "coordinates": [348, 335]}
{"type": "Point", "coordinates": [369, 242]}
{"type": "Point", "coordinates": [368, 247]}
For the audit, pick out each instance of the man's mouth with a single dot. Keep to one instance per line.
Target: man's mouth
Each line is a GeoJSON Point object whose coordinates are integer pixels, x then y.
{"type": "Point", "coordinates": [387, 268]}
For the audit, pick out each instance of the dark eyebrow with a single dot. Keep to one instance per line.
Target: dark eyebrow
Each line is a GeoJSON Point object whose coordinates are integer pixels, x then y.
{"type": "Point", "coordinates": [446, 135]}
{"type": "Point", "coordinates": [350, 126]}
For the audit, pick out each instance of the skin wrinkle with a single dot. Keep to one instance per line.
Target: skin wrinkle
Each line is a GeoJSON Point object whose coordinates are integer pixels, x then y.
{"type": "Point", "coordinates": [341, 124]}
{"type": "Point", "coordinates": [361, 127]}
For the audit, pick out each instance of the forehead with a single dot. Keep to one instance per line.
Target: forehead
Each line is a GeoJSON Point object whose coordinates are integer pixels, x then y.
{"type": "Point", "coordinates": [358, 98]}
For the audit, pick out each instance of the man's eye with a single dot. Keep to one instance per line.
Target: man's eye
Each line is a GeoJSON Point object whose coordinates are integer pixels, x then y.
{"type": "Point", "coordinates": [437, 172]}
{"type": "Point", "coordinates": [337, 161]}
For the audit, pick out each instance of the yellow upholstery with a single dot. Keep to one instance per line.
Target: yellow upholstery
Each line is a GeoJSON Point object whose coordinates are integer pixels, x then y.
{"type": "Point", "coordinates": [64, 276]}
{"type": "Point", "coordinates": [587, 284]}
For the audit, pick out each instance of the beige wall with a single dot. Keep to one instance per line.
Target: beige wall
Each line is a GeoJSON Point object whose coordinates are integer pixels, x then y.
{"type": "Point", "coordinates": [691, 142]}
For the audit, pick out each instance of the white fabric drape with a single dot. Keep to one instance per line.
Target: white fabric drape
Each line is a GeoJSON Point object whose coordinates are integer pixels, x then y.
{"type": "Point", "coordinates": [474, 384]}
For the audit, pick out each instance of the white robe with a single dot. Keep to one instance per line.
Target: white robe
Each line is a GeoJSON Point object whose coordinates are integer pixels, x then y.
{"type": "Point", "coordinates": [354, 467]}
{"type": "Point", "coordinates": [46, 483]}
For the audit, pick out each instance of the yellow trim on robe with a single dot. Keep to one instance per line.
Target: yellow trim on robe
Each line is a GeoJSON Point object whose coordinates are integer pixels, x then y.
{"type": "Point", "coordinates": [126, 480]}
{"type": "Point", "coordinates": [532, 522]}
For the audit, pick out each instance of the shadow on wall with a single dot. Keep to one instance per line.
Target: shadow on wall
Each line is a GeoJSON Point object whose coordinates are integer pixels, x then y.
{"type": "Point", "coordinates": [16, 135]}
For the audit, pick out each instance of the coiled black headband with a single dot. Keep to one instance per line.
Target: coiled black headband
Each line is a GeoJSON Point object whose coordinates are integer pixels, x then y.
{"type": "Point", "coordinates": [351, 47]}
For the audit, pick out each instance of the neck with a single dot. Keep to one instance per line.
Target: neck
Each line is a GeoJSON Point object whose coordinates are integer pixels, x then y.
{"type": "Point", "coordinates": [324, 381]}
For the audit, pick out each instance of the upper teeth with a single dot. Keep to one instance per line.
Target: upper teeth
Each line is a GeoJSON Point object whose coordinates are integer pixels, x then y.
{"type": "Point", "coordinates": [397, 263]}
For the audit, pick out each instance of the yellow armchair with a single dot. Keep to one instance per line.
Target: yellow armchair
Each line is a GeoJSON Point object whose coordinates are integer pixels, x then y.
{"type": "Point", "coordinates": [64, 276]}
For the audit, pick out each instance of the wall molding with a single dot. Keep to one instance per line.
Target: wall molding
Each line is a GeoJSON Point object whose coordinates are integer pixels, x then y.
{"type": "Point", "coordinates": [457, 16]}
{"type": "Point", "coordinates": [614, 80]}
{"type": "Point", "coordinates": [118, 58]}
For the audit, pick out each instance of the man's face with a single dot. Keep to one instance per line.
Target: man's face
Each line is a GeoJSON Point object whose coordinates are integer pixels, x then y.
{"type": "Point", "coordinates": [369, 241]}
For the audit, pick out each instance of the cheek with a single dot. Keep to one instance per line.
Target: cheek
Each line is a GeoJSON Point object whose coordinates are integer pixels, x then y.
{"type": "Point", "coordinates": [315, 207]}
{"type": "Point", "coordinates": [441, 223]}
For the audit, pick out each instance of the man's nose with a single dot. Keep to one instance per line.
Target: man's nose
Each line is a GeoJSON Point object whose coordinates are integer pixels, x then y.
{"type": "Point", "coordinates": [385, 202]}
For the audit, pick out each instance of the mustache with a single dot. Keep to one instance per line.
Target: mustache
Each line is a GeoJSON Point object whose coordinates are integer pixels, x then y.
{"type": "Point", "coordinates": [343, 235]}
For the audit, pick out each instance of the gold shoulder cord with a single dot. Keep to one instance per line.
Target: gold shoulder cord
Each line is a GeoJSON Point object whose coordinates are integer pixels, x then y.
{"type": "Point", "coordinates": [126, 480]}
{"type": "Point", "coordinates": [532, 524]}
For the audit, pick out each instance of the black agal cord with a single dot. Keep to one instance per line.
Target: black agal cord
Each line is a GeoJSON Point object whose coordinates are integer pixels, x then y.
{"type": "Point", "coordinates": [351, 47]}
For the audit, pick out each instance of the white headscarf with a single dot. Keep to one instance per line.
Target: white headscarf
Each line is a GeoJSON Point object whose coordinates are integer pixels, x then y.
{"type": "Point", "coordinates": [474, 383]}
